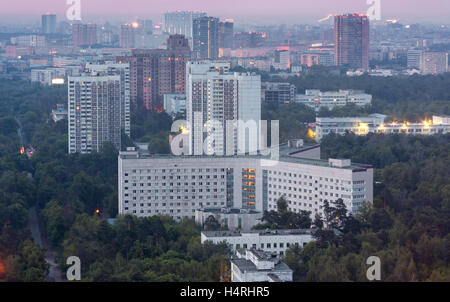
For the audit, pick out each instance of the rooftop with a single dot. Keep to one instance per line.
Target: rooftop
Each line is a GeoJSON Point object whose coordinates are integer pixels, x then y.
{"type": "Point", "coordinates": [286, 154]}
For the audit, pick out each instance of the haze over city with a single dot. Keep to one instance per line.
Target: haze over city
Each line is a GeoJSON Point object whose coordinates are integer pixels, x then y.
{"type": "Point", "coordinates": [251, 11]}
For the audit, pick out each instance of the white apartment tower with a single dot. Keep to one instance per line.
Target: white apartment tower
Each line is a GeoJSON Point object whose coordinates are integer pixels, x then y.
{"type": "Point", "coordinates": [123, 70]}
{"type": "Point", "coordinates": [215, 96]}
{"type": "Point", "coordinates": [94, 112]}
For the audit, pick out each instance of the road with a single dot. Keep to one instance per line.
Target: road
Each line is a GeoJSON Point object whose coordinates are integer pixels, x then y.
{"type": "Point", "coordinates": [36, 228]}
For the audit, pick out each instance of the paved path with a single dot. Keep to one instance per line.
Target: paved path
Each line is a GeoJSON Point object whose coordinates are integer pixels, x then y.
{"type": "Point", "coordinates": [36, 228]}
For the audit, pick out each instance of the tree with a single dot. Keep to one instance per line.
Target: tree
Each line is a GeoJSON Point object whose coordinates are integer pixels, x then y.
{"type": "Point", "coordinates": [211, 224]}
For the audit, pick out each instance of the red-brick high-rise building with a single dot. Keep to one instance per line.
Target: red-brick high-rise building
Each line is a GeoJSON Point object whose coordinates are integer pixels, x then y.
{"type": "Point", "coordinates": [352, 40]}
{"type": "Point", "coordinates": [155, 72]}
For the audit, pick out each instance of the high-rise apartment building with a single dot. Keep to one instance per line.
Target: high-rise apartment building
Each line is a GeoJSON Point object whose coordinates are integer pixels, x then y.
{"type": "Point", "coordinates": [213, 94]}
{"type": "Point", "coordinates": [205, 31]}
{"type": "Point", "coordinates": [155, 72]}
{"type": "Point", "coordinates": [98, 107]}
{"type": "Point", "coordinates": [226, 34]}
{"type": "Point", "coordinates": [122, 70]}
{"type": "Point", "coordinates": [127, 36]}
{"type": "Point", "coordinates": [48, 23]}
{"type": "Point", "coordinates": [84, 34]}
{"type": "Point", "coordinates": [180, 22]}
{"type": "Point", "coordinates": [352, 40]}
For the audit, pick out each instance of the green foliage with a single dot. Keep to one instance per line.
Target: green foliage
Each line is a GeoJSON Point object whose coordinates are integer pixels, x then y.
{"type": "Point", "coordinates": [143, 249]}
{"type": "Point", "coordinates": [283, 218]}
{"type": "Point", "coordinates": [293, 120]}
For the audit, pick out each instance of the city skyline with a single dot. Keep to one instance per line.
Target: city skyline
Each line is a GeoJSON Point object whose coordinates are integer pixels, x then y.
{"type": "Point", "coordinates": [287, 11]}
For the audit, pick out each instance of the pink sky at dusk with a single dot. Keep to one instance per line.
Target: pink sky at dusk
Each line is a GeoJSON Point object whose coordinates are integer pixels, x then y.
{"type": "Point", "coordinates": [421, 10]}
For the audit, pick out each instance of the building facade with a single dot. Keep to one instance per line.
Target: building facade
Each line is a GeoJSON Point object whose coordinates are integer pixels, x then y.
{"type": "Point", "coordinates": [226, 34]}
{"type": "Point", "coordinates": [94, 107]}
{"type": "Point", "coordinates": [215, 94]}
{"type": "Point", "coordinates": [317, 99]}
{"type": "Point", "coordinates": [277, 93]}
{"type": "Point", "coordinates": [84, 34]}
{"type": "Point", "coordinates": [352, 40]}
{"type": "Point", "coordinates": [48, 24]}
{"type": "Point", "coordinates": [272, 241]}
{"type": "Point", "coordinates": [375, 123]}
{"type": "Point", "coordinates": [175, 104]}
{"type": "Point", "coordinates": [414, 58]}
{"type": "Point", "coordinates": [180, 22]}
{"type": "Point", "coordinates": [123, 70]}
{"type": "Point", "coordinates": [180, 185]}
{"type": "Point", "coordinates": [434, 62]}
{"type": "Point", "coordinates": [205, 38]}
{"type": "Point", "coordinates": [155, 72]}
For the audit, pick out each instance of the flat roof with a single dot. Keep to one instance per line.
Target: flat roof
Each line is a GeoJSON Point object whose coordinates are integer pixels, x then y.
{"type": "Point", "coordinates": [285, 155]}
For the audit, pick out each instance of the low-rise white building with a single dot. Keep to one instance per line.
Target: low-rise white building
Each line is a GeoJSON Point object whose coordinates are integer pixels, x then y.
{"type": "Point", "coordinates": [273, 241]}
{"type": "Point", "coordinates": [257, 266]}
{"type": "Point", "coordinates": [375, 123]}
{"type": "Point", "coordinates": [316, 99]}
{"type": "Point", "coordinates": [339, 125]}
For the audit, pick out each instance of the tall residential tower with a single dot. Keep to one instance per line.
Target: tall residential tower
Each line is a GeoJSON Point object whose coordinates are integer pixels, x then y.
{"type": "Point", "coordinates": [352, 40]}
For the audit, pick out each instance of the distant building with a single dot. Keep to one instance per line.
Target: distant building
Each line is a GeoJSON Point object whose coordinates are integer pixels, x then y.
{"type": "Point", "coordinates": [341, 125]}
{"type": "Point", "coordinates": [434, 62]}
{"type": "Point", "coordinates": [48, 24]}
{"type": "Point", "coordinates": [414, 58]}
{"type": "Point", "coordinates": [316, 99]}
{"type": "Point", "coordinates": [258, 266]}
{"type": "Point", "coordinates": [178, 42]}
{"type": "Point", "coordinates": [375, 123]}
{"type": "Point", "coordinates": [174, 104]}
{"type": "Point", "coordinates": [205, 31]}
{"type": "Point", "coordinates": [155, 72]}
{"type": "Point", "coordinates": [127, 36]}
{"type": "Point", "coordinates": [277, 93]}
{"type": "Point", "coordinates": [317, 58]}
{"type": "Point", "coordinates": [84, 34]}
{"type": "Point", "coordinates": [352, 40]}
{"type": "Point", "coordinates": [35, 41]}
{"type": "Point", "coordinates": [226, 34]}
{"type": "Point", "coordinates": [180, 22]}
{"type": "Point", "coordinates": [273, 241]}
{"type": "Point", "coordinates": [282, 60]}
{"type": "Point", "coordinates": [47, 75]}
{"type": "Point", "coordinates": [230, 218]}
{"type": "Point", "coordinates": [249, 39]}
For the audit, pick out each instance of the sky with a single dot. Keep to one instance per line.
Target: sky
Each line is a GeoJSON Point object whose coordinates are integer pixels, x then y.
{"type": "Point", "coordinates": [261, 11]}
